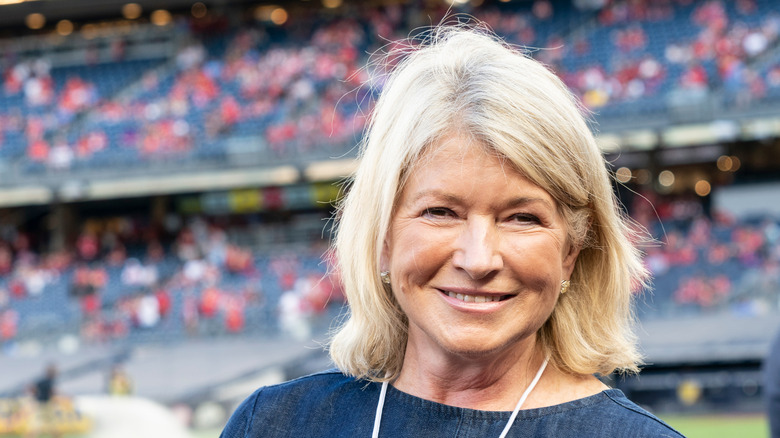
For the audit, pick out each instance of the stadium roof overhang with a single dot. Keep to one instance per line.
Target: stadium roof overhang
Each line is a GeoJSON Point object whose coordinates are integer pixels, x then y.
{"type": "Point", "coordinates": [14, 12]}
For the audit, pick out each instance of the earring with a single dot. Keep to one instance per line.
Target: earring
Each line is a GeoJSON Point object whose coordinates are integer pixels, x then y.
{"type": "Point", "coordinates": [385, 275]}
{"type": "Point", "coordinates": [565, 286]}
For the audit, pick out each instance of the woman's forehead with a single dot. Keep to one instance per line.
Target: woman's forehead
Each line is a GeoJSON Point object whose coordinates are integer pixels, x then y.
{"type": "Point", "coordinates": [455, 146]}
{"type": "Point", "coordinates": [457, 158]}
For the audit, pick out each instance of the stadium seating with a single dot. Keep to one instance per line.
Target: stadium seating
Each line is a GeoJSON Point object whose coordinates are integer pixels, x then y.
{"type": "Point", "coordinates": [297, 95]}
{"type": "Point", "coordinates": [282, 88]}
{"type": "Point", "coordinates": [705, 265]}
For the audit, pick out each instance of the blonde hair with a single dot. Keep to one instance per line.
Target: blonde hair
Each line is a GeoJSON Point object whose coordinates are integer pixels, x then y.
{"type": "Point", "coordinates": [466, 79]}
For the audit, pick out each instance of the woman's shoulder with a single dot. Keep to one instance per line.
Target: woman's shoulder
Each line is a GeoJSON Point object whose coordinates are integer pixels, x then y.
{"type": "Point", "coordinates": [307, 390]}
{"type": "Point", "coordinates": [310, 382]}
{"type": "Point", "coordinates": [318, 398]}
{"type": "Point", "coordinates": [611, 411]}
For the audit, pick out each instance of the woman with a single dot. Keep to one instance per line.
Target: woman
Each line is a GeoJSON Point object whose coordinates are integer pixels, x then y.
{"type": "Point", "coordinates": [487, 268]}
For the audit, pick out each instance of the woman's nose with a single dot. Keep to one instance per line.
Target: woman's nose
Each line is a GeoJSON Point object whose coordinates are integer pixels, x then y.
{"type": "Point", "coordinates": [477, 248]}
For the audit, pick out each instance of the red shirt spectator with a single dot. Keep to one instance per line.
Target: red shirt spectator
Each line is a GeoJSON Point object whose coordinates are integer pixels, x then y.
{"type": "Point", "coordinates": [9, 320]}
{"type": "Point", "coordinates": [164, 301]}
{"type": "Point", "coordinates": [234, 316]}
{"type": "Point", "coordinates": [87, 245]}
{"type": "Point", "coordinates": [38, 151]}
{"type": "Point", "coordinates": [209, 302]}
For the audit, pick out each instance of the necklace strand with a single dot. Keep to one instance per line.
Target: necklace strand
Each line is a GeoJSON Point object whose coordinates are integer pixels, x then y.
{"type": "Point", "coordinates": [380, 405]}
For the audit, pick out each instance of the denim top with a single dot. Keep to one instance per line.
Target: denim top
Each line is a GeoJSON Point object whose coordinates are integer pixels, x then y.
{"type": "Point", "coordinates": [330, 404]}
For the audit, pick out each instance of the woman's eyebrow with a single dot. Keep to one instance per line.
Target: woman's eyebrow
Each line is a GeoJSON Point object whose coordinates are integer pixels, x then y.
{"type": "Point", "coordinates": [445, 196]}
{"type": "Point", "coordinates": [526, 200]}
{"type": "Point", "coordinates": [435, 193]}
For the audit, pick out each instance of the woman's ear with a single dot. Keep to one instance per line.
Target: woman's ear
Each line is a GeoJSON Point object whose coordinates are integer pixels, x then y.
{"type": "Point", "coordinates": [384, 256]}
{"type": "Point", "coordinates": [570, 258]}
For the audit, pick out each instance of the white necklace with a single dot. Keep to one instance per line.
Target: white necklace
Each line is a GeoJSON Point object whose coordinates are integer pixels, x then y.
{"type": "Point", "coordinates": [381, 404]}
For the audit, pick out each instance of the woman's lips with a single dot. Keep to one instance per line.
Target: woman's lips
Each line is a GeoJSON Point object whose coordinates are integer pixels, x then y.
{"type": "Point", "coordinates": [475, 296]}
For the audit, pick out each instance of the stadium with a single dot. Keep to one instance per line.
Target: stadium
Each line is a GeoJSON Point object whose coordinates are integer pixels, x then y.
{"type": "Point", "coordinates": [169, 171]}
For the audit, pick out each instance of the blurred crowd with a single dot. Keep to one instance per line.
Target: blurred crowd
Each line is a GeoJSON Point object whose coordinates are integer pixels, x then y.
{"type": "Point", "coordinates": [675, 50]}
{"type": "Point", "coordinates": [302, 89]}
{"type": "Point", "coordinates": [109, 287]}
{"type": "Point", "coordinates": [708, 261]}
{"type": "Point", "coordinates": [299, 88]}
{"type": "Point", "coordinates": [117, 282]}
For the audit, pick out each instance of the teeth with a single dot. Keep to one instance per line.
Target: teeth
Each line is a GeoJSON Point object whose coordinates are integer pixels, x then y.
{"type": "Point", "coordinates": [474, 298]}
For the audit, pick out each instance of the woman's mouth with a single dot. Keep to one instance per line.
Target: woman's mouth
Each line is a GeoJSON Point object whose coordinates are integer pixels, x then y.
{"type": "Point", "coordinates": [476, 298]}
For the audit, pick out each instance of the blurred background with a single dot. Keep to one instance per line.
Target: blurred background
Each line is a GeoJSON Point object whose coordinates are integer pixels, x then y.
{"type": "Point", "coordinates": [168, 170]}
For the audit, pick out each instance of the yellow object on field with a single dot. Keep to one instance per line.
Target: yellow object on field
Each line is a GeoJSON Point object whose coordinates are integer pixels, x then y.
{"type": "Point", "coordinates": [23, 416]}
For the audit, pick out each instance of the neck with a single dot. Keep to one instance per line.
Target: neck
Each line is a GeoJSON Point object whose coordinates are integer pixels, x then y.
{"type": "Point", "coordinates": [492, 381]}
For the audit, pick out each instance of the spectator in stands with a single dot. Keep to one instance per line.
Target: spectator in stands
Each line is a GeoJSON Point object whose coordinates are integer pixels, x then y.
{"type": "Point", "coordinates": [9, 320]}
{"type": "Point", "coordinates": [493, 248]}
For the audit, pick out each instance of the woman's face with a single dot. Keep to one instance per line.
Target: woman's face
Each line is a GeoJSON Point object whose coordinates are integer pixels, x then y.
{"type": "Point", "coordinates": [476, 252]}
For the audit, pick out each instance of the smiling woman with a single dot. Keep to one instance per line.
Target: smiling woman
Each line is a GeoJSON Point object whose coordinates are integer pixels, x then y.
{"type": "Point", "coordinates": [486, 264]}
{"type": "Point", "coordinates": [476, 255]}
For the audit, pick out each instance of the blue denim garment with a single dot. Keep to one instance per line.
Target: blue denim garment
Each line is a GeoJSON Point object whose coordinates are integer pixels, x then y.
{"type": "Point", "coordinates": [772, 387]}
{"type": "Point", "coordinates": [330, 404]}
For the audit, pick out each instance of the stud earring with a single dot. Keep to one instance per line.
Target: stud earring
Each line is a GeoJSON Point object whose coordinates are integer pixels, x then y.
{"type": "Point", "coordinates": [385, 275]}
{"type": "Point", "coordinates": [565, 286]}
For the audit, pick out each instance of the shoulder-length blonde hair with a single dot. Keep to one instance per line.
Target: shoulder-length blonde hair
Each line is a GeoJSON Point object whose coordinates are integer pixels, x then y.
{"type": "Point", "coordinates": [466, 79]}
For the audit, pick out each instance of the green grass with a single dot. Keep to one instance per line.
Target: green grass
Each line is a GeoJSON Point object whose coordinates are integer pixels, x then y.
{"type": "Point", "coordinates": [206, 433]}
{"type": "Point", "coordinates": [720, 426]}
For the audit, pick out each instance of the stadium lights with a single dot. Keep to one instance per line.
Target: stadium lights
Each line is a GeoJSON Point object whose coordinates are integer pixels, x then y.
{"type": "Point", "coordinates": [161, 17]}
{"type": "Point", "coordinates": [735, 163]}
{"type": "Point", "coordinates": [623, 174]}
{"type": "Point", "coordinates": [702, 187]}
{"type": "Point", "coordinates": [273, 13]}
{"type": "Point", "coordinates": [264, 12]}
{"type": "Point", "coordinates": [35, 21]}
{"type": "Point", "coordinates": [331, 4]}
{"type": "Point", "coordinates": [198, 10]}
{"type": "Point", "coordinates": [724, 163]}
{"type": "Point", "coordinates": [642, 176]}
{"type": "Point", "coordinates": [279, 16]}
{"type": "Point", "coordinates": [64, 27]}
{"type": "Point", "coordinates": [131, 11]}
{"type": "Point", "coordinates": [89, 31]}
{"type": "Point", "coordinates": [666, 178]}
{"type": "Point", "coordinates": [727, 163]}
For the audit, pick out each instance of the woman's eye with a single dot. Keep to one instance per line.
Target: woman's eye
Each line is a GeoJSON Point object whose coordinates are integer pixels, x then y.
{"type": "Point", "coordinates": [438, 212]}
{"type": "Point", "coordinates": [524, 218]}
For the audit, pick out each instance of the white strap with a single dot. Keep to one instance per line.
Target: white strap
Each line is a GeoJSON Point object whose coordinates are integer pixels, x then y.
{"type": "Point", "coordinates": [522, 399]}
{"type": "Point", "coordinates": [379, 406]}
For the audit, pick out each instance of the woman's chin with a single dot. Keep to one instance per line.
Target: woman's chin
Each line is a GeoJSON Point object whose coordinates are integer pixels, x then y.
{"type": "Point", "coordinates": [480, 346]}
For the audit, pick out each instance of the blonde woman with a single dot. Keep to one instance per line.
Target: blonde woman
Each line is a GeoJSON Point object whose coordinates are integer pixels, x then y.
{"type": "Point", "coordinates": [487, 267]}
